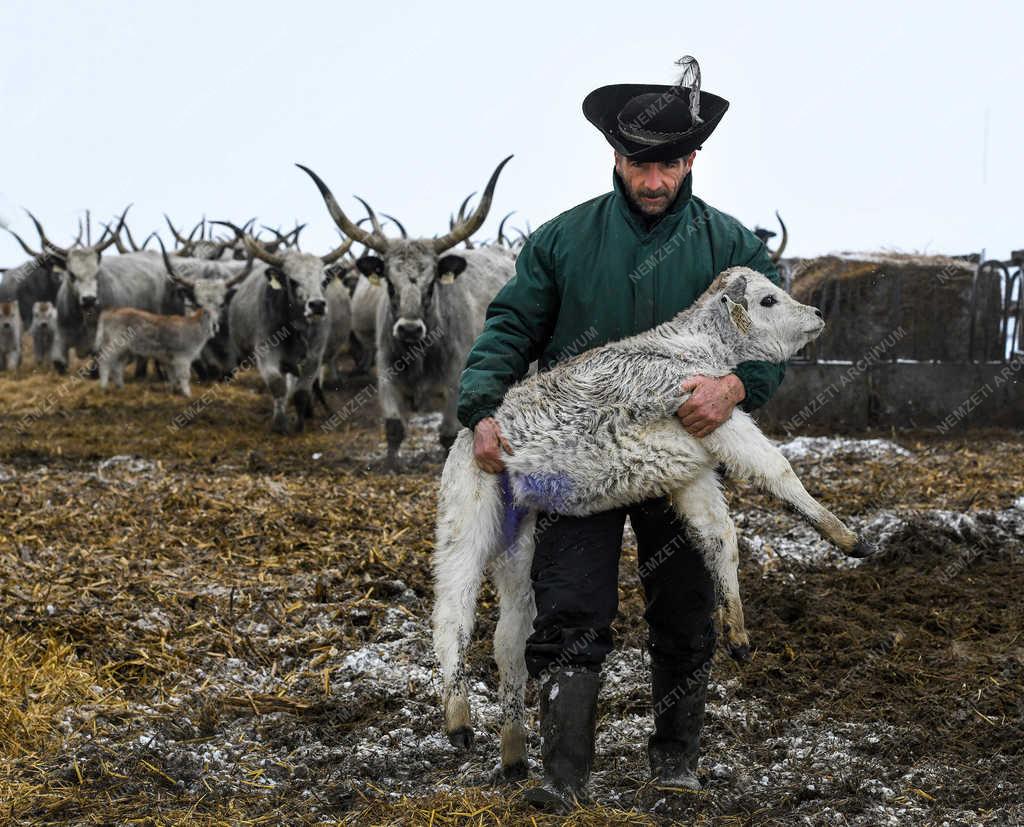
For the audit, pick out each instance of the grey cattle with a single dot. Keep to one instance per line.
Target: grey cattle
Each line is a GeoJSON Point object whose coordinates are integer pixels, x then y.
{"type": "Point", "coordinates": [597, 432]}
{"type": "Point", "coordinates": [92, 284]}
{"type": "Point", "coordinates": [43, 331]}
{"type": "Point", "coordinates": [174, 341]}
{"type": "Point", "coordinates": [36, 280]}
{"type": "Point", "coordinates": [217, 358]}
{"type": "Point", "coordinates": [435, 307]}
{"type": "Point", "coordinates": [10, 336]}
{"type": "Point", "coordinates": [279, 317]}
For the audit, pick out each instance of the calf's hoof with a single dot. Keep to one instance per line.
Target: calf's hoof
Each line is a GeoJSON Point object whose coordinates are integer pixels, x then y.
{"type": "Point", "coordinates": [461, 737]}
{"type": "Point", "coordinates": [862, 548]}
{"type": "Point", "coordinates": [518, 771]}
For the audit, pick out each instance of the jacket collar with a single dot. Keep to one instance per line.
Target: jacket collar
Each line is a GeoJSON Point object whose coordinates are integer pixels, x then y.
{"type": "Point", "coordinates": [636, 220]}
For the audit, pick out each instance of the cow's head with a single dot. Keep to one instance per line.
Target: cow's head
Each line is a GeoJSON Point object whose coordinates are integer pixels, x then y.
{"type": "Point", "coordinates": [771, 324]}
{"type": "Point", "coordinates": [295, 277]}
{"type": "Point", "coordinates": [205, 284]}
{"type": "Point", "coordinates": [81, 262]}
{"type": "Point", "coordinates": [412, 268]}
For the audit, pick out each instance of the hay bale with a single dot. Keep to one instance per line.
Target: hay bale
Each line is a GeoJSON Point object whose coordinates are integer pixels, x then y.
{"type": "Point", "coordinates": [866, 297]}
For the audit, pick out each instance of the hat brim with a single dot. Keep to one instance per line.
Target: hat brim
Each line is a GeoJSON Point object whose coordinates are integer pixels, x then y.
{"type": "Point", "coordinates": [602, 106]}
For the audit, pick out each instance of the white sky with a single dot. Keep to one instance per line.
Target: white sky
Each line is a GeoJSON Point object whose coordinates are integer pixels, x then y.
{"type": "Point", "coordinates": [863, 125]}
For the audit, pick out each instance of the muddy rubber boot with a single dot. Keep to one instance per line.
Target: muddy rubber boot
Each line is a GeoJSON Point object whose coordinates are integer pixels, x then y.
{"type": "Point", "coordinates": [568, 716]}
{"type": "Point", "coordinates": [679, 702]}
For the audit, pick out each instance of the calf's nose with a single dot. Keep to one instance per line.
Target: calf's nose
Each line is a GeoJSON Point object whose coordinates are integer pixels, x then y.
{"type": "Point", "coordinates": [317, 307]}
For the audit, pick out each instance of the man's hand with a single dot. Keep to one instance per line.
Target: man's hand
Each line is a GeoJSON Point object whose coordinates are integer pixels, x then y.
{"type": "Point", "coordinates": [711, 403]}
{"type": "Point", "coordinates": [488, 444]}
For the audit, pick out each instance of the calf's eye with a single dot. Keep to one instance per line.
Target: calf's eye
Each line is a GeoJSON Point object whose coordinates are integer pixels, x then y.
{"type": "Point", "coordinates": [768, 301]}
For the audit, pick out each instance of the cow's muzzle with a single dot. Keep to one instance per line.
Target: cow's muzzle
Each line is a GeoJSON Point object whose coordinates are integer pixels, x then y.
{"type": "Point", "coordinates": [410, 331]}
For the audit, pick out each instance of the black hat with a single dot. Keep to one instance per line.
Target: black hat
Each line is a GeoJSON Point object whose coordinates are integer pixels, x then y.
{"type": "Point", "coordinates": [650, 122]}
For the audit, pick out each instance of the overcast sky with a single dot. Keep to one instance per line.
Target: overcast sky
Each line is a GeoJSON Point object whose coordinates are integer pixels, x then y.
{"type": "Point", "coordinates": [865, 126]}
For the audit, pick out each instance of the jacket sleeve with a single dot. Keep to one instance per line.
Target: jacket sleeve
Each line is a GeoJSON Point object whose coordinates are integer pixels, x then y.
{"type": "Point", "coordinates": [760, 379]}
{"type": "Point", "coordinates": [518, 324]}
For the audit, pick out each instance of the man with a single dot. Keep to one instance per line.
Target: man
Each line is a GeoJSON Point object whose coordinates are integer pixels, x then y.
{"type": "Point", "coordinates": [612, 267]}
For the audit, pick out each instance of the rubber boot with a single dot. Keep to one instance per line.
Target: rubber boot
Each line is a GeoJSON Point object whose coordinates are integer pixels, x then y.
{"type": "Point", "coordinates": [568, 716]}
{"type": "Point", "coordinates": [679, 702]}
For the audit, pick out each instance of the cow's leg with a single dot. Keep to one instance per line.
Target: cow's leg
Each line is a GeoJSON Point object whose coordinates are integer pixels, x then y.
{"type": "Point", "coordinates": [13, 360]}
{"type": "Point", "coordinates": [468, 531]}
{"type": "Point", "coordinates": [277, 384]}
{"type": "Point", "coordinates": [59, 352]}
{"type": "Point", "coordinates": [511, 575]}
{"type": "Point", "coordinates": [748, 453]}
{"type": "Point", "coordinates": [702, 507]}
{"type": "Point", "coordinates": [394, 408]}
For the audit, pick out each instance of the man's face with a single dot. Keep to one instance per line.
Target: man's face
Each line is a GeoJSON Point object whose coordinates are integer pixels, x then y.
{"type": "Point", "coordinates": [653, 186]}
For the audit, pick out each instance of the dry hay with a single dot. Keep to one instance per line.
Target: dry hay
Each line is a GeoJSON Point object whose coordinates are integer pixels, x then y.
{"type": "Point", "coordinates": [210, 626]}
{"type": "Point", "coordinates": [867, 297]}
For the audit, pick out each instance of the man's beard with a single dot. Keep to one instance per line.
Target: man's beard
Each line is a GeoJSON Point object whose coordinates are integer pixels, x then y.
{"type": "Point", "coordinates": [652, 203]}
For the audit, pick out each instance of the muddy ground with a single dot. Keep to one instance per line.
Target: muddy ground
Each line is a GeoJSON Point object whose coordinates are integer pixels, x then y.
{"type": "Point", "coordinates": [205, 624]}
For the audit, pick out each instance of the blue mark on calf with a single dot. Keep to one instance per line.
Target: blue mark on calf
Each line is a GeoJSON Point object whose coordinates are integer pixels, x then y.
{"type": "Point", "coordinates": [512, 516]}
{"type": "Point", "coordinates": [545, 492]}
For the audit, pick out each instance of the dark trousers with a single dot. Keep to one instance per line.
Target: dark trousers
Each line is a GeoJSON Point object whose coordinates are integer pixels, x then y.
{"type": "Point", "coordinates": [575, 583]}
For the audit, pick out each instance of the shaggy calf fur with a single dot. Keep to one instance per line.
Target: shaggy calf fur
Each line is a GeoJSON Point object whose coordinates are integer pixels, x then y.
{"type": "Point", "coordinates": [598, 432]}
{"type": "Point", "coordinates": [10, 336]}
{"type": "Point", "coordinates": [43, 330]}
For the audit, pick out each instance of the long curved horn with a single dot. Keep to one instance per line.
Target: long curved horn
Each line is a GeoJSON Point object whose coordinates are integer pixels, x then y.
{"type": "Point", "coordinates": [184, 282]}
{"type": "Point", "coordinates": [258, 250]}
{"type": "Point", "coordinates": [243, 274]}
{"type": "Point", "coordinates": [353, 231]}
{"type": "Point", "coordinates": [131, 240]}
{"type": "Point", "coordinates": [377, 229]}
{"type": "Point", "coordinates": [117, 240]}
{"type": "Point", "coordinates": [81, 231]}
{"type": "Point", "coordinates": [281, 239]}
{"type": "Point", "coordinates": [177, 236]}
{"type": "Point", "coordinates": [200, 223]}
{"type": "Point", "coordinates": [100, 246]}
{"type": "Point", "coordinates": [337, 252]}
{"type": "Point", "coordinates": [294, 234]}
{"type": "Point", "coordinates": [466, 228]}
{"type": "Point", "coordinates": [24, 246]}
{"type": "Point", "coordinates": [501, 228]}
{"type": "Point", "coordinates": [460, 216]}
{"type": "Point", "coordinates": [43, 239]}
{"type": "Point", "coordinates": [397, 223]}
{"type": "Point", "coordinates": [147, 239]}
{"type": "Point", "coordinates": [785, 237]}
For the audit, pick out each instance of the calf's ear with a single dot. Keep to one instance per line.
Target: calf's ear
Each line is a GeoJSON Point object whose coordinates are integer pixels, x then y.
{"type": "Point", "coordinates": [737, 314]}
{"type": "Point", "coordinates": [449, 267]}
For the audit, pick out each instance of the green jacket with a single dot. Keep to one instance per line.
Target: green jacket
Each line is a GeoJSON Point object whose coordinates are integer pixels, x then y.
{"type": "Point", "coordinates": [595, 274]}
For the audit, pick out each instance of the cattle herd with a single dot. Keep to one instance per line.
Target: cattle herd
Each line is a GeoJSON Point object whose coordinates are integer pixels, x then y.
{"type": "Point", "coordinates": [227, 295]}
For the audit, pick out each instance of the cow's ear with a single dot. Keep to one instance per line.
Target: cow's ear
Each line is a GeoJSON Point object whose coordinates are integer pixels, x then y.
{"type": "Point", "coordinates": [274, 277]}
{"type": "Point", "coordinates": [449, 267]}
{"type": "Point", "coordinates": [372, 267]}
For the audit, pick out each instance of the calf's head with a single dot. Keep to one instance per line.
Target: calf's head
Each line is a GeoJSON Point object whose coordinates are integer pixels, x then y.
{"type": "Point", "coordinates": [771, 324]}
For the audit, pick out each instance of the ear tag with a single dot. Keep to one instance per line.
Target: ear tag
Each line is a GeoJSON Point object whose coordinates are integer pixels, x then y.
{"type": "Point", "coordinates": [274, 283]}
{"type": "Point", "coordinates": [447, 278]}
{"type": "Point", "coordinates": [374, 280]}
